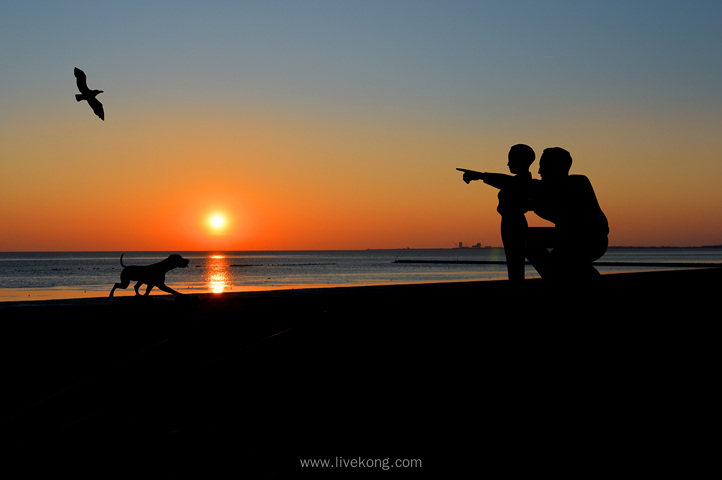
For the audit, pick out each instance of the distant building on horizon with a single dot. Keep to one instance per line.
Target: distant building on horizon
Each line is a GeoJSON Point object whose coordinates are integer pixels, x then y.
{"type": "Point", "coordinates": [461, 245]}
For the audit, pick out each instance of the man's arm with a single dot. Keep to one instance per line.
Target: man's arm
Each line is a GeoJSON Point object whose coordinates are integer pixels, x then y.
{"type": "Point", "coordinates": [496, 180]}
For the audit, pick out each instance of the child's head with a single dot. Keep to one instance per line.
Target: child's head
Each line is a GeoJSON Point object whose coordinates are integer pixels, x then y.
{"type": "Point", "coordinates": [520, 158]}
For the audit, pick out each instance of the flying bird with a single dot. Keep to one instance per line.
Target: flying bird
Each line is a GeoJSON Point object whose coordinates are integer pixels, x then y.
{"type": "Point", "coordinates": [88, 94]}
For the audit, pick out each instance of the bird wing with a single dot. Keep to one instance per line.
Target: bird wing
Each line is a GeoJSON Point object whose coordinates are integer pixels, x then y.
{"type": "Point", "coordinates": [97, 107]}
{"type": "Point", "coordinates": [80, 80]}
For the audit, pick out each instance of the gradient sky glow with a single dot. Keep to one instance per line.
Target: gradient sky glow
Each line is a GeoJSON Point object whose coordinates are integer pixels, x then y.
{"type": "Point", "coordinates": [339, 124]}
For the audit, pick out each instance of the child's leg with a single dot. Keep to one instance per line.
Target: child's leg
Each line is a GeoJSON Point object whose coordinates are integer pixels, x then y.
{"type": "Point", "coordinates": [513, 235]}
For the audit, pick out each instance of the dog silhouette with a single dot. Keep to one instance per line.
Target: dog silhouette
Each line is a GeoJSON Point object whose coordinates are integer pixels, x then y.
{"type": "Point", "coordinates": [152, 275]}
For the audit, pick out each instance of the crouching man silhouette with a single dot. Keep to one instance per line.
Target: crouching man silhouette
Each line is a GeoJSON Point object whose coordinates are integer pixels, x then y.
{"type": "Point", "coordinates": [580, 232]}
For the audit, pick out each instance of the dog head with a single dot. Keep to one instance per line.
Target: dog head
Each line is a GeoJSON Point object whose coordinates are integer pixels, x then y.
{"type": "Point", "coordinates": [178, 261]}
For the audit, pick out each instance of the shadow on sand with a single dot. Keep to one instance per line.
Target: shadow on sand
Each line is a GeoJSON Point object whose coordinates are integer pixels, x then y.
{"type": "Point", "coordinates": [250, 384]}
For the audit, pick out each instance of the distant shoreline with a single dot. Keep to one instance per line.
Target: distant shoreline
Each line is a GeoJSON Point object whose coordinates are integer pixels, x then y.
{"type": "Point", "coordinates": [489, 247]}
{"type": "Point", "coordinates": [602, 263]}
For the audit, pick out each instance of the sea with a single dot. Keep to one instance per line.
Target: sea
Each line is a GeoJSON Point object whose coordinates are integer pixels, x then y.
{"type": "Point", "coordinates": [61, 275]}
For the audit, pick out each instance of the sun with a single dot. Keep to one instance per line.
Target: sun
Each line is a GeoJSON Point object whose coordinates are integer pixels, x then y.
{"type": "Point", "coordinates": [217, 221]}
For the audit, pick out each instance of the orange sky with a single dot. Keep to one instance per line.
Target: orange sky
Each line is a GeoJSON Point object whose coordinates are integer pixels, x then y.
{"type": "Point", "coordinates": [326, 184]}
{"type": "Point", "coordinates": [308, 156]}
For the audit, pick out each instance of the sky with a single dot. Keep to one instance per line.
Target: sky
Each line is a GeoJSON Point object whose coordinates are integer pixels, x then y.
{"type": "Point", "coordinates": [338, 124]}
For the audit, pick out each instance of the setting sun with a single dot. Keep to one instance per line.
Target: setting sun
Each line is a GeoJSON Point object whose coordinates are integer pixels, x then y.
{"type": "Point", "coordinates": [217, 221]}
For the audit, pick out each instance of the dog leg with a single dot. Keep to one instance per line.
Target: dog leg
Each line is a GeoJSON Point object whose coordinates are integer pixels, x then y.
{"type": "Point", "coordinates": [167, 289]}
{"type": "Point", "coordinates": [122, 285]}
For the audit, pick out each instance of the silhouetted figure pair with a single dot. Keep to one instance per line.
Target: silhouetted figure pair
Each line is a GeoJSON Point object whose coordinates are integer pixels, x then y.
{"type": "Point", "coordinates": [580, 232]}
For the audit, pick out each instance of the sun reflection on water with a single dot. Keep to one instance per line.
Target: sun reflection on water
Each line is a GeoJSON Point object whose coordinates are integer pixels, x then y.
{"type": "Point", "coordinates": [218, 275]}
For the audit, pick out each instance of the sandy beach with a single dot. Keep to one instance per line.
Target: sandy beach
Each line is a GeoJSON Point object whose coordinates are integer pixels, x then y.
{"type": "Point", "coordinates": [610, 377]}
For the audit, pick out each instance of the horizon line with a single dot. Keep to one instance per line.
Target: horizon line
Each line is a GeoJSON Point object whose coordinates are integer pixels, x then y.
{"type": "Point", "coordinates": [489, 247]}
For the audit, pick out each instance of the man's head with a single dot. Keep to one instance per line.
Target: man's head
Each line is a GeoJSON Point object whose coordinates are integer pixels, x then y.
{"type": "Point", "coordinates": [554, 164]}
{"type": "Point", "coordinates": [520, 158]}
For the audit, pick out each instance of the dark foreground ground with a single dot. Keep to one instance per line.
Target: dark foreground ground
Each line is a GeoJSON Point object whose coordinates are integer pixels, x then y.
{"type": "Point", "coordinates": [615, 378]}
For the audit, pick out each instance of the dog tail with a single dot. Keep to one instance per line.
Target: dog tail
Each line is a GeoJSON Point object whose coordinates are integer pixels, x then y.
{"type": "Point", "coordinates": [121, 260]}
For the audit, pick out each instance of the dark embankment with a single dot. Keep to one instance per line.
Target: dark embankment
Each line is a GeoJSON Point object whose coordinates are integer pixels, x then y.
{"type": "Point", "coordinates": [479, 377]}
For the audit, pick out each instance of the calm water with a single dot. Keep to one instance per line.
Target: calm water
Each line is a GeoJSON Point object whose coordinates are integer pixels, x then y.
{"type": "Point", "coordinates": [50, 275]}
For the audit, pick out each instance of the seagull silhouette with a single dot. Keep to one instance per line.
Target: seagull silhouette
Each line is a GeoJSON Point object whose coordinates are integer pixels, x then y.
{"type": "Point", "coordinates": [88, 94]}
